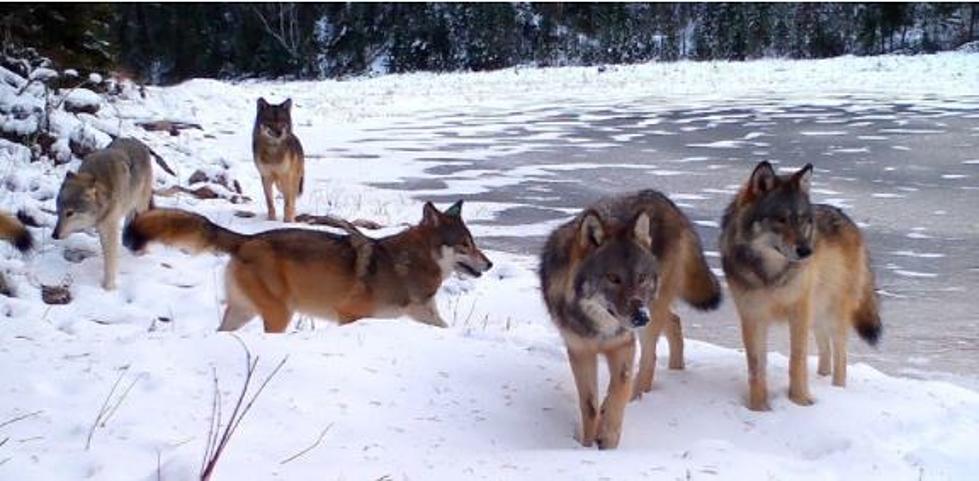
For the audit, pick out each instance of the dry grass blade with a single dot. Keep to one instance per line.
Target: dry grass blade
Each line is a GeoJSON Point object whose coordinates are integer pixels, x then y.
{"type": "Point", "coordinates": [101, 417]}
{"type": "Point", "coordinates": [311, 447]}
{"type": "Point", "coordinates": [20, 418]}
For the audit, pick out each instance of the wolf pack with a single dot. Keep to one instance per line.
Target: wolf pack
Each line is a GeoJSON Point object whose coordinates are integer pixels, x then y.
{"type": "Point", "coordinates": [609, 277]}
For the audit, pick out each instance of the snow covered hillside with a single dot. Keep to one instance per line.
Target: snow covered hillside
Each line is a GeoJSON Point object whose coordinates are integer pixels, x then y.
{"type": "Point", "coordinates": [492, 396]}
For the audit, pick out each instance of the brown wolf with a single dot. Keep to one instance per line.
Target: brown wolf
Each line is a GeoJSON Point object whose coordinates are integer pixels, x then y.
{"type": "Point", "coordinates": [611, 270]}
{"type": "Point", "coordinates": [278, 156]}
{"type": "Point", "coordinates": [111, 184]}
{"type": "Point", "coordinates": [13, 231]}
{"type": "Point", "coordinates": [339, 277]}
{"type": "Point", "coordinates": [786, 258]}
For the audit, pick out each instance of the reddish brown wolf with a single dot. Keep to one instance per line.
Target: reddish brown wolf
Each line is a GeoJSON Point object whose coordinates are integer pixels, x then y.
{"type": "Point", "coordinates": [339, 277]}
{"type": "Point", "coordinates": [785, 258]}
{"type": "Point", "coordinates": [610, 271]}
{"type": "Point", "coordinates": [13, 231]}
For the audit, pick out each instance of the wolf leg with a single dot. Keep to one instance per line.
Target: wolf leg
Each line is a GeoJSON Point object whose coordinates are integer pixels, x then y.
{"type": "Point", "coordinates": [620, 362]}
{"type": "Point", "coordinates": [109, 238]}
{"type": "Point", "coordinates": [799, 324]}
{"type": "Point", "coordinates": [648, 338]}
{"type": "Point", "coordinates": [289, 209]}
{"type": "Point", "coordinates": [239, 310]}
{"type": "Point", "coordinates": [840, 331]}
{"type": "Point", "coordinates": [819, 331]}
{"type": "Point", "coordinates": [427, 313]}
{"type": "Point", "coordinates": [754, 334]}
{"type": "Point", "coordinates": [267, 182]}
{"type": "Point", "coordinates": [584, 366]}
{"type": "Point", "coordinates": [674, 335]}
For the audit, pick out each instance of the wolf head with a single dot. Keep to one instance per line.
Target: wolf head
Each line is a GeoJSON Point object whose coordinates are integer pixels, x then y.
{"type": "Point", "coordinates": [779, 216]}
{"type": "Point", "coordinates": [618, 274]}
{"type": "Point", "coordinates": [80, 203]}
{"type": "Point", "coordinates": [274, 121]}
{"type": "Point", "coordinates": [454, 246]}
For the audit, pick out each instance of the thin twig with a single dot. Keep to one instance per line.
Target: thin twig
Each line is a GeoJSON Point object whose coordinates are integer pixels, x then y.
{"type": "Point", "coordinates": [218, 441]}
{"type": "Point", "coordinates": [20, 418]}
{"type": "Point", "coordinates": [310, 448]}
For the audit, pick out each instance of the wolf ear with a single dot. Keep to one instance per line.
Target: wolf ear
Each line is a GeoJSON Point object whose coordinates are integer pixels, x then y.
{"type": "Point", "coordinates": [430, 214]}
{"type": "Point", "coordinates": [762, 179]}
{"type": "Point", "coordinates": [591, 232]}
{"type": "Point", "coordinates": [455, 210]}
{"type": "Point", "coordinates": [287, 104]}
{"type": "Point", "coordinates": [262, 103]}
{"type": "Point", "coordinates": [640, 229]}
{"type": "Point", "coordinates": [803, 178]}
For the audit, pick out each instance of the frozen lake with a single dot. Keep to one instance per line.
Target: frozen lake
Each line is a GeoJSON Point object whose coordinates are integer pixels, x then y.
{"type": "Point", "coordinates": [907, 172]}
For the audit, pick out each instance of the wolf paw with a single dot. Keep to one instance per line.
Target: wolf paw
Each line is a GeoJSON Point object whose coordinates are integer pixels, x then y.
{"type": "Point", "coordinates": [803, 399]}
{"type": "Point", "coordinates": [759, 405]}
{"type": "Point", "coordinates": [608, 438]}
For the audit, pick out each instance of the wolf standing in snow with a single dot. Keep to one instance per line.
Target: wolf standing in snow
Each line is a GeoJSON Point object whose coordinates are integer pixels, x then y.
{"type": "Point", "coordinates": [785, 258]}
{"type": "Point", "coordinates": [339, 277]}
{"type": "Point", "coordinates": [278, 156]}
{"type": "Point", "coordinates": [609, 272]}
{"type": "Point", "coordinates": [111, 184]}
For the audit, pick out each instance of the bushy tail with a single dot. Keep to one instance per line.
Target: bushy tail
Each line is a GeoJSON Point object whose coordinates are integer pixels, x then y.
{"type": "Point", "coordinates": [701, 288]}
{"type": "Point", "coordinates": [866, 319]}
{"type": "Point", "coordinates": [181, 229]}
{"type": "Point", "coordinates": [13, 231]}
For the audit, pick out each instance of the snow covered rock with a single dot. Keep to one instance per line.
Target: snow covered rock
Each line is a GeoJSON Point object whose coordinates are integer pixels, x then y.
{"type": "Point", "coordinates": [83, 100]}
{"type": "Point", "coordinates": [44, 74]}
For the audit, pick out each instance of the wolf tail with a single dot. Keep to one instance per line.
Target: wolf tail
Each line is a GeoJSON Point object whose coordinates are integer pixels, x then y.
{"type": "Point", "coordinates": [182, 229]}
{"type": "Point", "coordinates": [701, 288]}
{"type": "Point", "coordinates": [866, 318]}
{"type": "Point", "coordinates": [13, 231]}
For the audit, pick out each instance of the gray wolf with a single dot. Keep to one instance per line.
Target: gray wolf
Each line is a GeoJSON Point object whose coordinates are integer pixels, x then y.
{"type": "Point", "coordinates": [788, 259]}
{"type": "Point", "coordinates": [339, 277]}
{"type": "Point", "coordinates": [278, 156]}
{"type": "Point", "coordinates": [611, 271]}
{"type": "Point", "coordinates": [111, 184]}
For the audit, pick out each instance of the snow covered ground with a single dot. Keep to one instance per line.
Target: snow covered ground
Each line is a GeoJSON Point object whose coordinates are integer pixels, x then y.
{"type": "Point", "coordinates": [492, 396]}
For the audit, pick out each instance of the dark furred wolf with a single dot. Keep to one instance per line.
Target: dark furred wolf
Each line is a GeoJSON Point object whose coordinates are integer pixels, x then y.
{"type": "Point", "coordinates": [612, 270]}
{"type": "Point", "coordinates": [278, 156]}
{"type": "Point", "coordinates": [339, 277]}
{"type": "Point", "coordinates": [786, 258]}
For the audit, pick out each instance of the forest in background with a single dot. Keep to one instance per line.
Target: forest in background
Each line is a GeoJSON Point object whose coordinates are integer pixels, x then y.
{"type": "Point", "coordinates": [166, 43]}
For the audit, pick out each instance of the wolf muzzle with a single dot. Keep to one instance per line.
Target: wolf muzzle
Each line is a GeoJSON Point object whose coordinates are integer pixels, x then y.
{"type": "Point", "coordinates": [640, 317]}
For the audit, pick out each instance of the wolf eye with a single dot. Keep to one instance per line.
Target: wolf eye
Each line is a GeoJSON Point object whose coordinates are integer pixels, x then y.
{"type": "Point", "coordinates": [613, 278]}
{"type": "Point", "coordinates": [69, 213]}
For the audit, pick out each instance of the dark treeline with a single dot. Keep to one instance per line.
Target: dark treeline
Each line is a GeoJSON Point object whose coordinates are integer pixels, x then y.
{"type": "Point", "coordinates": [170, 42]}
